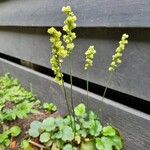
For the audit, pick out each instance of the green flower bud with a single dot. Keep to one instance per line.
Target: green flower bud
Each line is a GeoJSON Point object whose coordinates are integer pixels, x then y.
{"type": "Point", "coordinates": [111, 69]}
{"type": "Point", "coordinates": [119, 61]}
{"type": "Point", "coordinates": [51, 30]}
{"type": "Point", "coordinates": [116, 58]}
{"type": "Point", "coordinates": [69, 25]}
{"type": "Point", "coordinates": [70, 46]}
{"type": "Point", "coordinates": [89, 57]}
{"type": "Point", "coordinates": [59, 52]}
{"type": "Point", "coordinates": [66, 9]}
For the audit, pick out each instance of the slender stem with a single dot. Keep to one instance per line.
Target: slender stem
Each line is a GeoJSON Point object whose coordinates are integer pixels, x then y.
{"type": "Point", "coordinates": [66, 99]}
{"type": "Point", "coordinates": [108, 83]}
{"type": "Point", "coordinates": [71, 95]}
{"type": "Point", "coordinates": [87, 85]}
{"type": "Point", "coordinates": [67, 103]}
{"type": "Point", "coordinates": [64, 90]}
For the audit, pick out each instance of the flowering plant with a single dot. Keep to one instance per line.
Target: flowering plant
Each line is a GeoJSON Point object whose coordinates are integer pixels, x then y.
{"type": "Point", "coordinates": [83, 127]}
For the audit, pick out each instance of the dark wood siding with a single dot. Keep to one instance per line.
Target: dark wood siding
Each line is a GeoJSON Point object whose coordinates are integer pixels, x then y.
{"type": "Point", "coordinates": [23, 35]}
{"type": "Point", "coordinates": [91, 13]}
{"type": "Point", "coordinates": [132, 76]}
{"type": "Point", "coordinates": [134, 125]}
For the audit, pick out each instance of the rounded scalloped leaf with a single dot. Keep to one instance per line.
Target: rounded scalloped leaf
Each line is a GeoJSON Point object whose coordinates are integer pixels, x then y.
{"type": "Point", "coordinates": [107, 142]}
{"type": "Point", "coordinates": [44, 137]}
{"type": "Point", "coordinates": [83, 133]}
{"type": "Point", "coordinates": [3, 137]}
{"type": "Point", "coordinates": [7, 142]}
{"type": "Point", "coordinates": [15, 131]}
{"type": "Point", "coordinates": [59, 122]}
{"type": "Point", "coordinates": [108, 131]}
{"type": "Point", "coordinates": [92, 115]}
{"type": "Point", "coordinates": [99, 144]}
{"type": "Point", "coordinates": [57, 135]}
{"type": "Point", "coordinates": [25, 144]}
{"type": "Point", "coordinates": [49, 124]}
{"type": "Point", "coordinates": [68, 147]}
{"type": "Point", "coordinates": [36, 125]}
{"type": "Point", "coordinates": [33, 132]}
{"type": "Point", "coordinates": [79, 110]}
{"type": "Point", "coordinates": [117, 142]}
{"type": "Point", "coordinates": [49, 107]}
{"type": "Point", "coordinates": [68, 134]}
{"type": "Point", "coordinates": [95, 128]}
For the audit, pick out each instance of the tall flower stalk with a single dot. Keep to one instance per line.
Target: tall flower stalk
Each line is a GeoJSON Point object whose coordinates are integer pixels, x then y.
{"type": "Point", "coordinates": [60, 52]}
{"type": "Point", "coordinates": [68, 38]}
{"type": "Point", "coordinates": [89, 54]}
{"type": "Point", "coordinates": [116, 60]}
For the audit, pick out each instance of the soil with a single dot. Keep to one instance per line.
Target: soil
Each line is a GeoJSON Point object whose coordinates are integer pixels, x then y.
{"type": "Point", "coordinates": [24, 124]}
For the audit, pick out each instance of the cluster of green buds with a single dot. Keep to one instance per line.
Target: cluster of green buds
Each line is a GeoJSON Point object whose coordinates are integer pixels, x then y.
{"type": "Point", "coordinates": [116, 58]}
{"type": "Point", "coordinates": [89, 57]}
{"type": "Point", "coordinates": [58, 52]}
{"type": "Point", "coordinates": [69, 25]}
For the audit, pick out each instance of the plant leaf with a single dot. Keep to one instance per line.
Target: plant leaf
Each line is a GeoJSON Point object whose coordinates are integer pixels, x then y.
{"type": "Point", "coordinates": [80, 110]}
{"type": "Point", "coordinates": [68, 134]}
{"type": "Point", "coordinates": [59, 122]}
{"type": "Point", "coordinates": [33, 132]}
{"type": "Point", "coordinates": [83, 133]}
{"type": "Point", "coordinates": [99, 144]}
{"type": "Point", "coordinates": [24, 144]}
{"type": "Point", "coordinates": [92, 116]}
{"type": "Point", "coordinates": [107, 142]}
{"type": "Point", "coordinates": [44, 137]}
{"type": "Point", "coordinates": [36, 125]}
{"type": "Point", "coordinates": [15, 131]}
{"type": "Point", "coordinates": [3, 137]}
{"type": "Point", "coordinates": [68, 147]}
{"type": "Point", "coordinates": [117, 142]}
{"type": "Point", "coordinates": [108, 131]}
{"type": "Point", "coordinates": [49, 124]}
{"type": "Point", "coordinates": [95, 128]}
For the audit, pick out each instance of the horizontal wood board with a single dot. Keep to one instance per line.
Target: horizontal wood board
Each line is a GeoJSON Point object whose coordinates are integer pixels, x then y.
{"type": "Point", "coordinates": [132, 77]}
{"type": "Point", "coordinates": [134, 125]}
{"type": "Point", "coordinates": [90, 13]}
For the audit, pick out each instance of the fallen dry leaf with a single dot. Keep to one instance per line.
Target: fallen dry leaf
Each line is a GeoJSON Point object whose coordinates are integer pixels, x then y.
{"type": "Point", "coordinates": [13, 145]}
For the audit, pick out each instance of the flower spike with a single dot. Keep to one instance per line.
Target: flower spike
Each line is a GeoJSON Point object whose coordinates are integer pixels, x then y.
{"type": "Point", "coordinates": [59, 53]}
{"type": "Point", "coordinates": [89, 57]}
{"type": "Point", "coordinates": [116, 58]}
{"type": "Point", "coordinates": [69, 25]}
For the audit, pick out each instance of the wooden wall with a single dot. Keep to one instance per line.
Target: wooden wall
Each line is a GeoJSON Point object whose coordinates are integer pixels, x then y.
{"type": "Point", "coordinates": [23, 35]}
{"type": "Point", "coordinates": [91, 13]}
{"type": "Point", "coordinates": [133, 124]}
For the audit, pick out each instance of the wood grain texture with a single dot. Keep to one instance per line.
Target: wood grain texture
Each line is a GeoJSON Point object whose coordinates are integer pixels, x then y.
{"type": "Point", "coordinates": [134, 125]}
{"type": "Point", "coordinates": [132, 77]}
{"type": "Point", "coordinates": [90, 13]}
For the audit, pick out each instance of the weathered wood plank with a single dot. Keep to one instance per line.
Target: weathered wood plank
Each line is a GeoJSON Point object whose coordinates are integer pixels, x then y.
{"type": "Point", "coordinates": [134, 125]}
{"type": "Point", "coordinates": [91, 13]}
{"type": "Point", "coordinates": [132, 77]}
